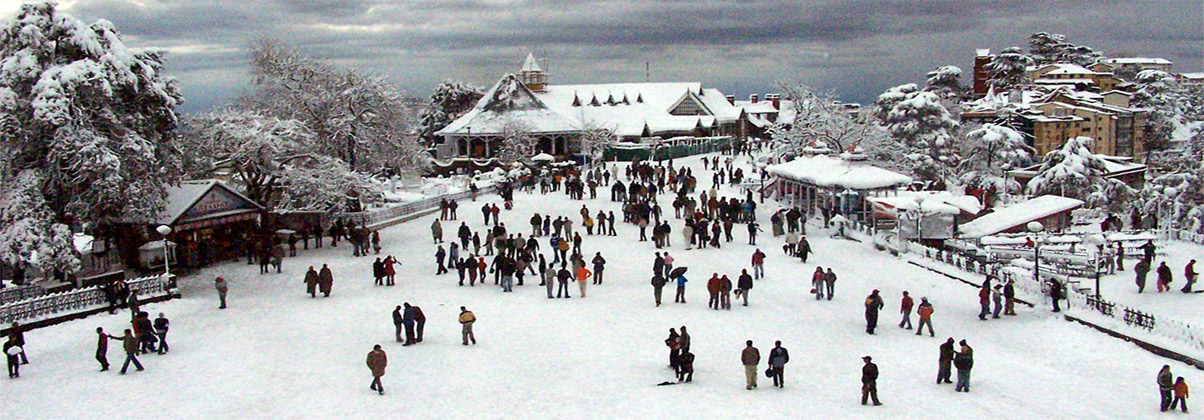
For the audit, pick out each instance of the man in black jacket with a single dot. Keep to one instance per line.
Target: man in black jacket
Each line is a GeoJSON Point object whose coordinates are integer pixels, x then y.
{"type": "Point", "coordinates": [778, 357]}
{"type": "Point", "coordinates": [161, 325]}
{"type": "Point", "coordinates": [397, 320]}
{"type": "Point", "coordinates": [946, 361]}
{"type": "Point", "coordinates": [658, 284]}
{"type": "Point", "coordinates": [873, 304]}
{"type": "Point", "coordinates": [743, 285]}
{"type": "Point", "coordinates": [869, 381]}
{"type": "Point", "coordinates": [963, 361]}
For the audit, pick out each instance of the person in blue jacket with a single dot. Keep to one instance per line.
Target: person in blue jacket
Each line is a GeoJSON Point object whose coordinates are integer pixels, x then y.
{"type": "Point", "coordinates": [681, 289]}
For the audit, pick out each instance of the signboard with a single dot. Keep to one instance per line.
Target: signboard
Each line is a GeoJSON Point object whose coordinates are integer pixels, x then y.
{"type": "Point", "coordinates": [217, 200]}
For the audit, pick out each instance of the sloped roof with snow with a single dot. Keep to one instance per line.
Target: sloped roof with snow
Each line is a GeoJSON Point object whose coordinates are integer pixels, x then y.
{"type": "Point", "coordinates": [1018, 215]}
{"type": "Point", "coordinates": [182, 198]}
{"type": "Point", "coordinates": [1137, 60]}
{"type": "Point", "coordinates": [826, 171]}
{"type": "Point", "coordinates": [509, 101]}
{"type": "Point", "coordinates": [530, 64]}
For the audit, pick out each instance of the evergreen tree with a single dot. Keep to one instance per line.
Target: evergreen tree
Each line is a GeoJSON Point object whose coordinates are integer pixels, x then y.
{"type": "Point", "coordinates": [1070, 171]}
{"type": "Point", "coordinates": [1007, 69]}
{"type": "Point", "coordinates": [991, 151]}
{"type": "Point", "coordinates": [450, 100]}
{"type": "Point", "coordinates": [926, 130]}
{"type": "Point", "coordinates": [86, 134]}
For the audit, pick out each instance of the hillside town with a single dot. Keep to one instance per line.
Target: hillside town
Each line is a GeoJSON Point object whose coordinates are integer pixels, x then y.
{"type": "Point", "coordinates": [1047, 184]}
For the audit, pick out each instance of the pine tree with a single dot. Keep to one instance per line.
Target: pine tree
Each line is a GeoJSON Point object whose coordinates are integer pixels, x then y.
{"type": "Point", "coordinates": [926, 130]}
{"type": "Point", "coordinates": [990, 152]}
{"type": "Point", "coordinates": [945, 82]}
{"type": "Point", "coordinates": [1008, 68]}
{"type": "Point", "coordinates": [86, 134]}
{"type": "Point", "coordinates": [1071, 171]}
{"type": "Point", "coordinates": [450, 100]}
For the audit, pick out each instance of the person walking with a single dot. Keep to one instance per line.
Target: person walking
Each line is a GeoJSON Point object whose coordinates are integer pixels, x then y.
{"type": "Point", "coordinates": [102, 348]}
{"type": "Point", "coordinates": [325, 280]}
{"type": "Point", "coordinates": [1180, 394]}
{"type": "Point", "coordinates": [713, 291]}
{"type": "Point", "coordinates": [945, 368]}
{"type": "Point", "coordinates": [984, 301]}
{"type": "Point", "coordinates": [743, 285]}
{"type": "Point", "coordinates": [778, 357]}
{"type": "Point", "coordinates": [1165, 386]}
{"type": "Point", "coordinates": [1141, 269]}
{"type": "Point", "coordinates": [220, 285]}
{"type": "Point", "coordinates": [377, 361]}
{"type": "Point", "coordinates": [1055, 294]}
{"type": "Point", "coordinates": [130, 344]}
{"type": "Point", "coordinates": [407, 320]}
{"type": "Point", "coordinates": [17, 333]}
{"type": "Point", "coordinates": [680, 297]}
{"type": "Point", "coordinates": [466, 320]}
{"type": "Point", "coordinates": [311, 282]}
{"type": "Point", "coordinates": [658, 284]}
{"type": "Point", "coordinates": [817, 282]}
{"type": "Point", "coordinates": [583, 275]}
{"type": "Point", "coordinates": [750, 358]}
{"type": "Point", "coordinates": [390, 270]}
{"type": "Point", "coordinates": [1189, 273]}
{"type": "Point", "coordinates": [398, 319]}
{"type": "Point", "coordinates": [562, 277]}
{"type": "Point", "coordinates": [997, 299]}
{"type": "Point", "coordinates": [161, 326]}
{"type": "Point", "coordinates": [869, 381]}
{"type": "Point", "coordinates": [437, 231]}
{"type": "Point", "coordinates": [725, 293]}
{"type": "Point", "coordinates": [12, 356]}
{"type": "Point", "coordinates": [1164, 278]}
{"type": "Point", "coordinates": [758, 263]}
{"type": "Point", "coordinates": [830, 280]}
{"type": "Point", "coordinates": [905, 308]}
{"type": "Point", "coordinates": [963, 361]}
{"type": "Point", "coordinates": [925, 312]}
{"type": "Point", "coordinates": [873, 304]}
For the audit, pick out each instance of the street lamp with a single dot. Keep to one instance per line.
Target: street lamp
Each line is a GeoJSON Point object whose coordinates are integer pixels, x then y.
{"type": "Point", "coordinates": [165, 230]}
{"type": "Point", "coordinates": [1096, 240]}
{"type": "Point", "coordinates": [1036, 227]}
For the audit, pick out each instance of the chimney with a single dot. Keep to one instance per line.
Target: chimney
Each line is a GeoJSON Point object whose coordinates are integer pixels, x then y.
{"type": "Point", "coordinates": [753, 98]}
{"type": "Point", "coordinates": [776, 99]}
{"type": "Point", "coordinates": [731, 99]}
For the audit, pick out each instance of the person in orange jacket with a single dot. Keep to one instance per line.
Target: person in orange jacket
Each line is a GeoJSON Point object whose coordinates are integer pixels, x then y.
{"type": "Point", "coordinates": [583, 275]}
{"type": "Point", "coordinates": [713, 286]}
{"type": "Point", "coordinates": [1180, 394]}
{"type": "Point", "coordinates": [925, 312]}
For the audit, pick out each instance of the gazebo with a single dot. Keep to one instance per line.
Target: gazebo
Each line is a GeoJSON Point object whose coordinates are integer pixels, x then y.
{"type": "Point", "coordinates": [822, 181]}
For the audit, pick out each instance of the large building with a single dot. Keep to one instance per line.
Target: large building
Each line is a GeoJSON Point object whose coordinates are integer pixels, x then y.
{"type": "Point", "coordinates": [557, 116]}
{"type": "Point", "coordinates": [1049, 116]}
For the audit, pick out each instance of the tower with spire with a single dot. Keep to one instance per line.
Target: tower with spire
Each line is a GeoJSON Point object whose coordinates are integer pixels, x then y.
{"type": "Point", "coordinates": [532, 75]}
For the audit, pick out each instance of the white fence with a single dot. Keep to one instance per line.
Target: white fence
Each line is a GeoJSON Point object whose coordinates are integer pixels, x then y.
{"type": "Point", "coordinates": [375, 217]}
{"type": "Point", "coordinates": [16, 293]}
{"type": "Point", "coordinates": [77, 299]}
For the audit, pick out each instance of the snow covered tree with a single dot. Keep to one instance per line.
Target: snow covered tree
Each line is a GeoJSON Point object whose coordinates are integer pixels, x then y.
{"type": "Point", "coordinates": [278, 162]}
{"type": "Point", "coordinates": [1045, 48]}
{"type": "Point", "coordinates": [518, 144]}
{"type": "Point", "coordinates": [885, 102]}
{"type": "Point", "coordinates": [1007, 69]}
{"type": "Point", "coordinates": [927, 132]}
{"type": "Point", "coordinates": [945, 83]}
{"type": "Point", "coordinates": [1178, 195]}
{"type": "Point", "coordinates": [989, 152]}
{"type": "Point", "coordinates": [1159, 93]}
{"type": "Point", "coordinates": [594, 139]}
{"type": "Point", "coordinates": [360, 117]}
{"type": "Point", "coordinates": [86, 134]}
{"type": "Point", "coordinates": [1071, 171]}
{"type": "Point", "coordinates": [818, 118]}
{"type": "Point", "coordinates": [450, 100]}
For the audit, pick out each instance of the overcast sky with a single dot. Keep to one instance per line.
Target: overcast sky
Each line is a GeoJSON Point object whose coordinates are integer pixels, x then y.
{"type": "Point", "coordinates": [855, 48]}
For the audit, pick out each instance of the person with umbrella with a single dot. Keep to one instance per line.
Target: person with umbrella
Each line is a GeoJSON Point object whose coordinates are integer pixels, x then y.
{"type": "Point", "coordinates": [679, 274]}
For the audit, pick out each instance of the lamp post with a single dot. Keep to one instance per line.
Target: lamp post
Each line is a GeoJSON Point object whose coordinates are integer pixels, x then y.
{"type": "Point", "coordinates": [165, 230]}
{"type": "Point", "coordinates": [1096, 240]}
{"type": "Point", "coordinates": [1036, 227]}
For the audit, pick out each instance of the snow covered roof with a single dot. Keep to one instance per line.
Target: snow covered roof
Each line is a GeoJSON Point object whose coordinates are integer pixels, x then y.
{"type": "Point", "coordinates": [1047, 81]}
{"type": "Point", "coordinates": [509, 102]}
{"type": "Point", "coordinates": [1138, 60]}
{"type": "Point", "coordinates": [1018, 215]}
{"type": "Point", "coordinates": [530, 64]}
{"type": "Point", "coordinates": [626, 108]}
{"type": "Point", "coordinates": [1075, 69]}
{"type": "Point", "coordinates": [833, 172]}
{"type": "Point", "coordinates": [930, 202]}
{"type": "Point", "coordinates": [181, 200]}
{"type": "Point", "coordinates": [1192, 76]}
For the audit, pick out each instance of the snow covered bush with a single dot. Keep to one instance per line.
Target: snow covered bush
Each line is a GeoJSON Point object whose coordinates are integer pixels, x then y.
{"type": "Point", "coordinates": [86, 133]}
{"type": "Point", "coordinates": [886, 102]}
{"type": "Point", "coordinates": [989, 152]}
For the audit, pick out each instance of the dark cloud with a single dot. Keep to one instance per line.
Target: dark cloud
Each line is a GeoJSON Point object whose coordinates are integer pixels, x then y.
{"type": "Point", "coordinates": [855, 47]}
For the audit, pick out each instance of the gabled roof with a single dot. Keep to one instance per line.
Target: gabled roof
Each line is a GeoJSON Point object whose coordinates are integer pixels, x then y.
{"type": "Point", "coordinates": [530, 64]}
{"type": "Point", "coordinates": [182, 198]}
{"type": "Point", "coordinates": [509, 101]}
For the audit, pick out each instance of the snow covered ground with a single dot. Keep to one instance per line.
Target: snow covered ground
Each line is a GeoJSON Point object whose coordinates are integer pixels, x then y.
{"type": "Point", "coordinates": [278, 353]}
{"type": "Point", "coordinates": [1122, 287]}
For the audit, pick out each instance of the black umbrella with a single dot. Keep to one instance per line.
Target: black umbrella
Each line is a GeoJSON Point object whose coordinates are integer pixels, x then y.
{"type": "Point", "coordinates": [677, 272]}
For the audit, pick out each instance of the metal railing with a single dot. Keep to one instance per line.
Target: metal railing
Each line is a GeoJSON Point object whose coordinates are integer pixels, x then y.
{"type": "Point", "coordinates": [374, 217]}
{"type": "Point", "coordinates": [77, 299]}
{"type": "Point", "coordinates": [16, 293]}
